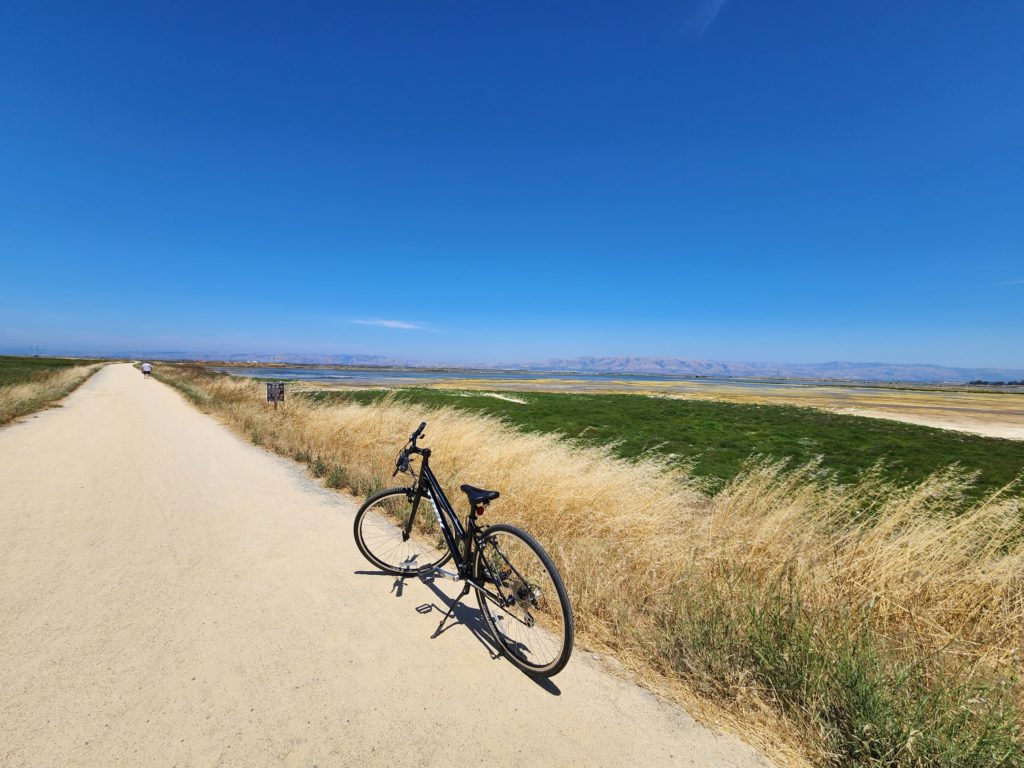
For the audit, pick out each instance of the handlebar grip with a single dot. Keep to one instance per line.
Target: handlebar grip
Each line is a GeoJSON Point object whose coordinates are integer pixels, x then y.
{"type": "Point", "coordinates": [419, 431]}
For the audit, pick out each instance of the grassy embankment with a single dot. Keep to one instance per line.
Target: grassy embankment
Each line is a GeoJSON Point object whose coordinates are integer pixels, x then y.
{"type": "Point", "coordinates": [869, 623]}
{"type": "Point", "coordinates": [28, 384]}
{"type": "Point", "coordinates": [714, 440]}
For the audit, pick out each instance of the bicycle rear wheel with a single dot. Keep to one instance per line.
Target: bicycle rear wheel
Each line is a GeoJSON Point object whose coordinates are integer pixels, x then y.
{"type": "Point", "coordinates": [379, 532]}
{"type": "Point", "coordinates": [531, 619]}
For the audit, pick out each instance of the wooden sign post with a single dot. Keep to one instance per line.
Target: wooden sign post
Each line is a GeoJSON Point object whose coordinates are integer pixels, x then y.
{"type": "Point", "coordinates": [275, 392]}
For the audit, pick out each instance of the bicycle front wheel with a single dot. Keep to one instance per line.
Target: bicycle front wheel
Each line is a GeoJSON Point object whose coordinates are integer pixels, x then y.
{"type": "Point", "coordinates": [380, 534]}
{"type": "Point", "coordinates": [528, 610]}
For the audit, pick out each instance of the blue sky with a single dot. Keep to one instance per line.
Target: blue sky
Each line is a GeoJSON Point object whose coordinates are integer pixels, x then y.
{"type": "Point", "coordinates": [740, 180]}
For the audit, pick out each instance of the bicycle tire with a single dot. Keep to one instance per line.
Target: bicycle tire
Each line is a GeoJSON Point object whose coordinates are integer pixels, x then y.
{"type": "Point", "coordinates": [378, 534]}
{"type": "Point", "coordinates": [531, 586]}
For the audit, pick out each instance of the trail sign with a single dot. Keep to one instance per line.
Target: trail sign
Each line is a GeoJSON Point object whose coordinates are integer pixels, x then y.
{"type": "Point", "coordinates": [275, 392]}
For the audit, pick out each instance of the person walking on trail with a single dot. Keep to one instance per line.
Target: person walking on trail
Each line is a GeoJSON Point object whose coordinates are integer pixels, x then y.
{"type": "Point", "coordinates": [146, 370]}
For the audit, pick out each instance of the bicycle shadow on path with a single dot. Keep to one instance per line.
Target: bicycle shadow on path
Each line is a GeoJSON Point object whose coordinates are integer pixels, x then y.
{"type": "Point", "coordinates": [463, 615]}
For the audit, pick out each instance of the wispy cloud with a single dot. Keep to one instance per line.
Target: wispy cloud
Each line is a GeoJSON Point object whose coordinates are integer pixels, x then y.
{"type": "Point", "coordinates": [1011, 282]}
{"type": "Point", "coordinates": [399, 324]}
{"type": "Point", "coordinates": [704, 15]}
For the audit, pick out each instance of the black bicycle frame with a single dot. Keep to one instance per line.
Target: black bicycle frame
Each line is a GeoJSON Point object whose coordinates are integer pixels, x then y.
{"type": "Point", "coordinates": [455, 535]}
{"type": "Point", "coordinates": [451, 528]}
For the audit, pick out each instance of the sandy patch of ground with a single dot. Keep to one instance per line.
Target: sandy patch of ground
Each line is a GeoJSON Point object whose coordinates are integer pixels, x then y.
{"type": "Point", "coordinates": [982, 424]}
{"type": "Point", "coordinates": [500, 396]}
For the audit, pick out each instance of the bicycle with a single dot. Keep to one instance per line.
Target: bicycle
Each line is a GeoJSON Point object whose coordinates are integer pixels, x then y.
{"type": "Point", "coordinates": [523, 601]}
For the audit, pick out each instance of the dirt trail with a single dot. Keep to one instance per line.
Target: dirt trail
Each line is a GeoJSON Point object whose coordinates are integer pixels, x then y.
{"type": "Point", "coordinates": [172, 596]}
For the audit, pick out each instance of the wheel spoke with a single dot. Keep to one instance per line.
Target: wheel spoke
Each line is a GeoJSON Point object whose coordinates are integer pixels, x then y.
{"type": "Point", "coordinates": [380, 533]}
{"type": "Point", "coordinates": [529, 620]}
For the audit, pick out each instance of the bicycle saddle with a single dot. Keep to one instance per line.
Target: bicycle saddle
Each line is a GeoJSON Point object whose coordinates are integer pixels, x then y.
{"type": "Point", "coordinates": [479, 495]}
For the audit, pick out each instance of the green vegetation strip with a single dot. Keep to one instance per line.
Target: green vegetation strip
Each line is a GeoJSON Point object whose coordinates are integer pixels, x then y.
{"type": "Point", "coordinates": [20, 370]}
{"type": "Point", "coordinates": [28, 384]}
{"type": "Point", "coordinates": [719, 437]}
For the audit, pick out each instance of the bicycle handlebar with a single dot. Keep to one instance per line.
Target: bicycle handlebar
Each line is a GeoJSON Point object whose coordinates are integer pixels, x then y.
{"type": "Point", "coordinates": [402, 463]}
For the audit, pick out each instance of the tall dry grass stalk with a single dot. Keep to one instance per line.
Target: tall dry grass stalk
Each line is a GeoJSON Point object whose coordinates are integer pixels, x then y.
{"type": "Point", "coordinates": [22, 399]}
{"type": "Point", "coordinates": [868, 622]}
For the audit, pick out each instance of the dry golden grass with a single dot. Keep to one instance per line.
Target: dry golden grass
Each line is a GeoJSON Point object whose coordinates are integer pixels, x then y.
{"type": "Point", "coordinates": [21, 399]}
{"type": "Point", "coordinates": [856, 625]}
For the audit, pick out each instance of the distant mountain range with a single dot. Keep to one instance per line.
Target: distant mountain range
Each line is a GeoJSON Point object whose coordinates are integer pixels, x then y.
{"type": "Point", "coordinates": [664, 366]}
{"type": "Point", "coordinates": [920, 373]}
{"type": "Point", "coordinates": [721, 369]}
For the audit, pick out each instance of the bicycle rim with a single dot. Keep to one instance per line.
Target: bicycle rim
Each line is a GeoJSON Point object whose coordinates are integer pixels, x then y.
{"type": "Point", "coordinates": [533, 623]}
{"type": "Point", "coordinates": [379, 528]}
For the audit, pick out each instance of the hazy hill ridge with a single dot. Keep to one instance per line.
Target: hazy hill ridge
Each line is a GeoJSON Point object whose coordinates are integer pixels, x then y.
{"type": "Point", "coordinates": [918, 372]}
{"type": "Point", "coordinates": [665, 366]}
